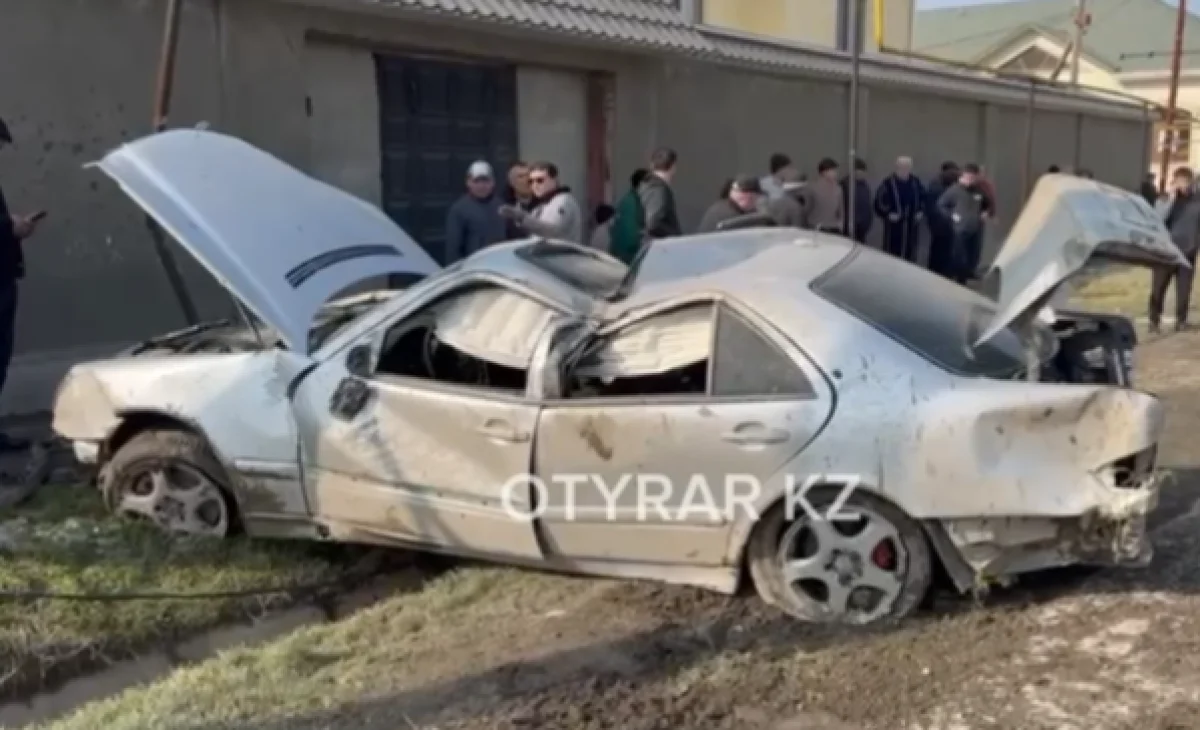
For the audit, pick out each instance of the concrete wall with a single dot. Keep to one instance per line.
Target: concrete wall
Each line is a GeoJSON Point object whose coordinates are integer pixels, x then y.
{"type": "Point", "coordinates": [300, 83]}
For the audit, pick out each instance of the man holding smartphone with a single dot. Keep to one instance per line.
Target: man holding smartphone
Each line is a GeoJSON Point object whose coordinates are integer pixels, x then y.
{"type": "Point", "coordinates": [13, 230]}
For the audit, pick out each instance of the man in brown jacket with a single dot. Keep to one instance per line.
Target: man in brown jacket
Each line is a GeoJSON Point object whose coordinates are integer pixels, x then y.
{"type": "Point", "coordinates": [823, 206]}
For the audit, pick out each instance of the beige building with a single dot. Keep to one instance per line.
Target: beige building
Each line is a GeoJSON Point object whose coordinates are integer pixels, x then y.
{"type": "Point", "coordinates": [1127, 48]}
{"type": "Point", "coordinates": [819, 22]}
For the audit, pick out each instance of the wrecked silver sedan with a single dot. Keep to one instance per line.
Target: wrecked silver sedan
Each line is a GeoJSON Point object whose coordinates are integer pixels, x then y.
{"type": "Point", "coordinates": [493, 408]}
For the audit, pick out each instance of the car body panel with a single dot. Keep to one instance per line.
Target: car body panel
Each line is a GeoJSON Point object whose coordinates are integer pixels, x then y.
{"type": "Point", "coordinates": [280, 241]}
{"type": "Point", "coordinates": [1068, 223]}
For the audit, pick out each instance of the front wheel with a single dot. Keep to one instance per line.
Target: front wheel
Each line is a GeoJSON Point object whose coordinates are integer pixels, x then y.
{"type": "Point", "coordinates": [172, 479]}
{"type": "Point", "coordinates": [856, 571]}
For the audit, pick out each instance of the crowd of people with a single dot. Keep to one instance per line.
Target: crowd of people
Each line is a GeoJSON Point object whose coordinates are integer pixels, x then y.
{"type": "Point", "coordinates": [954, 207]}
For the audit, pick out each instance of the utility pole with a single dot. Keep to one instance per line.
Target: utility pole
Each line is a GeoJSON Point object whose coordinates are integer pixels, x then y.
{"type": "Point", "coordinates": [1081, 22]}
{"type": "Point", "coordinates": [1172, 96]}
{"type": "Point", "coordinates": [855, 35]}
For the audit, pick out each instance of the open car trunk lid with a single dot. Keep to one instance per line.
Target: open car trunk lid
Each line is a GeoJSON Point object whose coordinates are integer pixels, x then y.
{"type": "Point", "coordinates": [280, 241]}
{"type": "Point", "coordinates": [1068, 223]}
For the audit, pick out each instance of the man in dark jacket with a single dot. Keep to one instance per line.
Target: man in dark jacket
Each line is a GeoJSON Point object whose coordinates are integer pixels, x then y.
{"type": "Point", "coordinates": [657, 197]}
{"type": "Point", "coordinates": [1183, 221]}
{"type": "Point", "coordinates": [1149, 189]}
{"type": "Point", "coordinates": [13, 230]}
{"type": "Point", "coordinates": [788, 209]}
{"type": "Point", "coordinates": [861, 215]}
{"type": "Point", "coordinates": [941, 229]}
{"type": "Point", "coordinates": [474, 221]}
{"type": "Point", "coordinates": [742, 200]}
{"type": "Point", "coordinates": [518, 194]}
{"type": "Point", "coordinates": [968, 206]}
{"type": "Point", "coordinates": [626, 234]}
{"type": "Point", "coordinates": [900, 202]}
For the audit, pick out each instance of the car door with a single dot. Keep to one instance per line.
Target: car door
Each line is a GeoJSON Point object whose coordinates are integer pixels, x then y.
{"type": "Point", "coordinates": [391, 455]}
{"type": "Point", "coordinates": [703, 396]}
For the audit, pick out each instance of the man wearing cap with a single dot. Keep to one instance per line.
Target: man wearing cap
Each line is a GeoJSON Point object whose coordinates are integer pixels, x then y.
{"type": "Point", "coordinates": [13, 230]}
{"type": "Point", "coordinates": [474, 221]}
{"type": "Point", "coordinates": [742, 199]}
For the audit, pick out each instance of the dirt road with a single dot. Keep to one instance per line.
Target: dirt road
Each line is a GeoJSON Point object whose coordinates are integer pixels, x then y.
{"type": "Point", "coordinates": [512, 649]}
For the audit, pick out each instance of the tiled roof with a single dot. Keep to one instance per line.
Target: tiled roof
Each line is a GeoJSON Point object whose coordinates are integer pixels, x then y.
{"type": "Point", "coordinates": [660, 25]}
{"type": "Point", "coordinates": [1132, 35]}
{"type": "Point", "coordinates": [654, 23]}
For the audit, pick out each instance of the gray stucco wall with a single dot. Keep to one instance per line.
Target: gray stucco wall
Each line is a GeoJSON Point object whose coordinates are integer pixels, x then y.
{"type": "Point", "coordinates": [248, 66]}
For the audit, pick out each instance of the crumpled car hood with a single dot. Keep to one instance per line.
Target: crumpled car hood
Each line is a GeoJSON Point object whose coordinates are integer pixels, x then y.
{"type": "Point", "coordinates": [282, 242]}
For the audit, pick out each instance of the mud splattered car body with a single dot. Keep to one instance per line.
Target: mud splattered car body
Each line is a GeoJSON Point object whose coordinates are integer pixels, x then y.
{"type": "Point", "coordinates": [402, 418]}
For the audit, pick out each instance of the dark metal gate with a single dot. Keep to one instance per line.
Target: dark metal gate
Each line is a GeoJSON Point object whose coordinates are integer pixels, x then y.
{"type": "Point", "coordinates": [437, 117]}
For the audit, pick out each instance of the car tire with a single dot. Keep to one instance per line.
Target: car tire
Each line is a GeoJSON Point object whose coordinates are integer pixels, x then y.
{"type": "Point", "coordinates": [905, 577]}
{"type": "Point", "coordinates": [174, 479]}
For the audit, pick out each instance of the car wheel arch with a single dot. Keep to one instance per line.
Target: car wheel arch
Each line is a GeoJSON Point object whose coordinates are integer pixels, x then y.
{"type": "Point", "coordinates": [135, 422]}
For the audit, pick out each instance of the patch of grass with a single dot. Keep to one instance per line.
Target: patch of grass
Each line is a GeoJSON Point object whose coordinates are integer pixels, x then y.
{"type": "Point", "coordinates": [468, 620]}
{"type": "Point", "coordinates": [1119, 290]}
{"type": "Point", "coordinates": [63, 540]}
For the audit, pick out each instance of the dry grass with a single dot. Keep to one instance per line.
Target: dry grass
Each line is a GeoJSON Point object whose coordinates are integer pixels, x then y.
{"type": "Point", "coordinates": [1122, 290]}
{"type": "Point", "coordinates": [64, 541]}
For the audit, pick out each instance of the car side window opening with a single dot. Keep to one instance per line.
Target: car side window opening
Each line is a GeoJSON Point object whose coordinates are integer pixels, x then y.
{"type": "Point", "coordinates": [666, 353]}
{"type": "Point", "coordinates": [481, 337]}
{"type": "Point", "coordinates": [746, 363]}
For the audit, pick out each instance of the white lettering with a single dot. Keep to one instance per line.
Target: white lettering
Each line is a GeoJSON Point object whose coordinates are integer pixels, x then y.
{"type": "Point", "coordinates": [698, 486]}
{"type": "Point", "coordinates": [734, 498]}
{"type": "Point", "coordinates": [612, 495]}
{"type": "Point", "coordinates": [516, 493]}
{"type": "Point", "coordinates": [659, 500]}
{"type": "Point", "coordinates": [571, 494]}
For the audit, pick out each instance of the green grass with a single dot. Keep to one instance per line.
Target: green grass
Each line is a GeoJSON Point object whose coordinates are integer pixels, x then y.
{"type": "Point", "coordinates": [464, 620]}
{"type": "Point", "coordinates": [64, 541]}
{"type": "Point", "coordinates": [1121, 290]}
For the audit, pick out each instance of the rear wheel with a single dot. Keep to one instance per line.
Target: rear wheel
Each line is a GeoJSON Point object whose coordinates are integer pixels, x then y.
{"type": "Point", "coordinates": [858, 571]}
{"type": "Point", "coordinates": [172, 479]}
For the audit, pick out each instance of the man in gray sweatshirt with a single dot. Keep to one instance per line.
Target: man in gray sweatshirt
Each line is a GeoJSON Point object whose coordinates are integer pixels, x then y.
{"type": "Point", "coordinates": [967, 206]}
{"type": "Point", "coordinates": [473, 221]}
{"type": "Point", "coordinates": [1183, 221]}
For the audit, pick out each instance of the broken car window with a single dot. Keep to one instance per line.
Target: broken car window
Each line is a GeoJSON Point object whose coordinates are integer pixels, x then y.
{"type": "Point", "coordinates": [662, 354]}
{"type": "Point", "coordinates": [746, 363]}
{"type": "Point", "coordinates": [484, 336]}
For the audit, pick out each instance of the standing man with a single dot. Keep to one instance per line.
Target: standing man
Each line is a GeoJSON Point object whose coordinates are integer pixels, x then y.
{"type": "Point", "coordinates": [823, 210]}
{"type": "Point", "coordinates": [861, 215]}
{"type": "Point", "coordinates": [942, 260]}
{"type": "Point", "coordinates": [1149, 189]}
{"type": "Point", "coordinates": [658, 198]}
{"type": "Point", "coordinates": [900, 202]}
{"type": "Point", "coordinates": [13, 230]}
{"type": "Point", "coordinates": [788, 209]}
{"type": "Point", "coordinates": [473, 221]}
{"type": "Point", "coordinates": [518, 194]}
{"type": "Point", "coordinates": [741, 199]}
{"type": "Point", "coordinates": [782, 173]}
{"type": "Point", "coordinates": [626, 232]}
{"type": "Point", "coordinates": [556, 213]}
{"type": "Point", "coordinates": [1183, 221]}
{"type": "Point", "coordinates": [968, 207]}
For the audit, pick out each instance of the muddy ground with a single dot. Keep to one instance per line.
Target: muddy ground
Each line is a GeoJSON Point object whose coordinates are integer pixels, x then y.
{"type": "Point", "coordinates": [1094, 650]}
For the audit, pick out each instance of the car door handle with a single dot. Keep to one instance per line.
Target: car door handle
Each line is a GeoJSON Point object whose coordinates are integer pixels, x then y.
{"type": "Point", "coordinates": [755, 434]}
{"type": "Point", "coordinates": [498, 430]}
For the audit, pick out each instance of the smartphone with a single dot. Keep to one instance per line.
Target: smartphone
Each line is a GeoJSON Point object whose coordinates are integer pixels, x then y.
{"type": "Point", "coordinates": [38, 216]}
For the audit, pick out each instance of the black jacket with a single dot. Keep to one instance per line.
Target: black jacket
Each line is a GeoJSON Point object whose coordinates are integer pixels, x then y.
{"type": "Point", "coordinates": [658, 207]}
{"type": "Point", "coordinates": [719, 212]}
{"type": "Point", "coordinates": [509, 196]}
{"type": "Point", "coordinates": [12, 258]}
{"type": "Point", "coordinates": [863, 214]}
